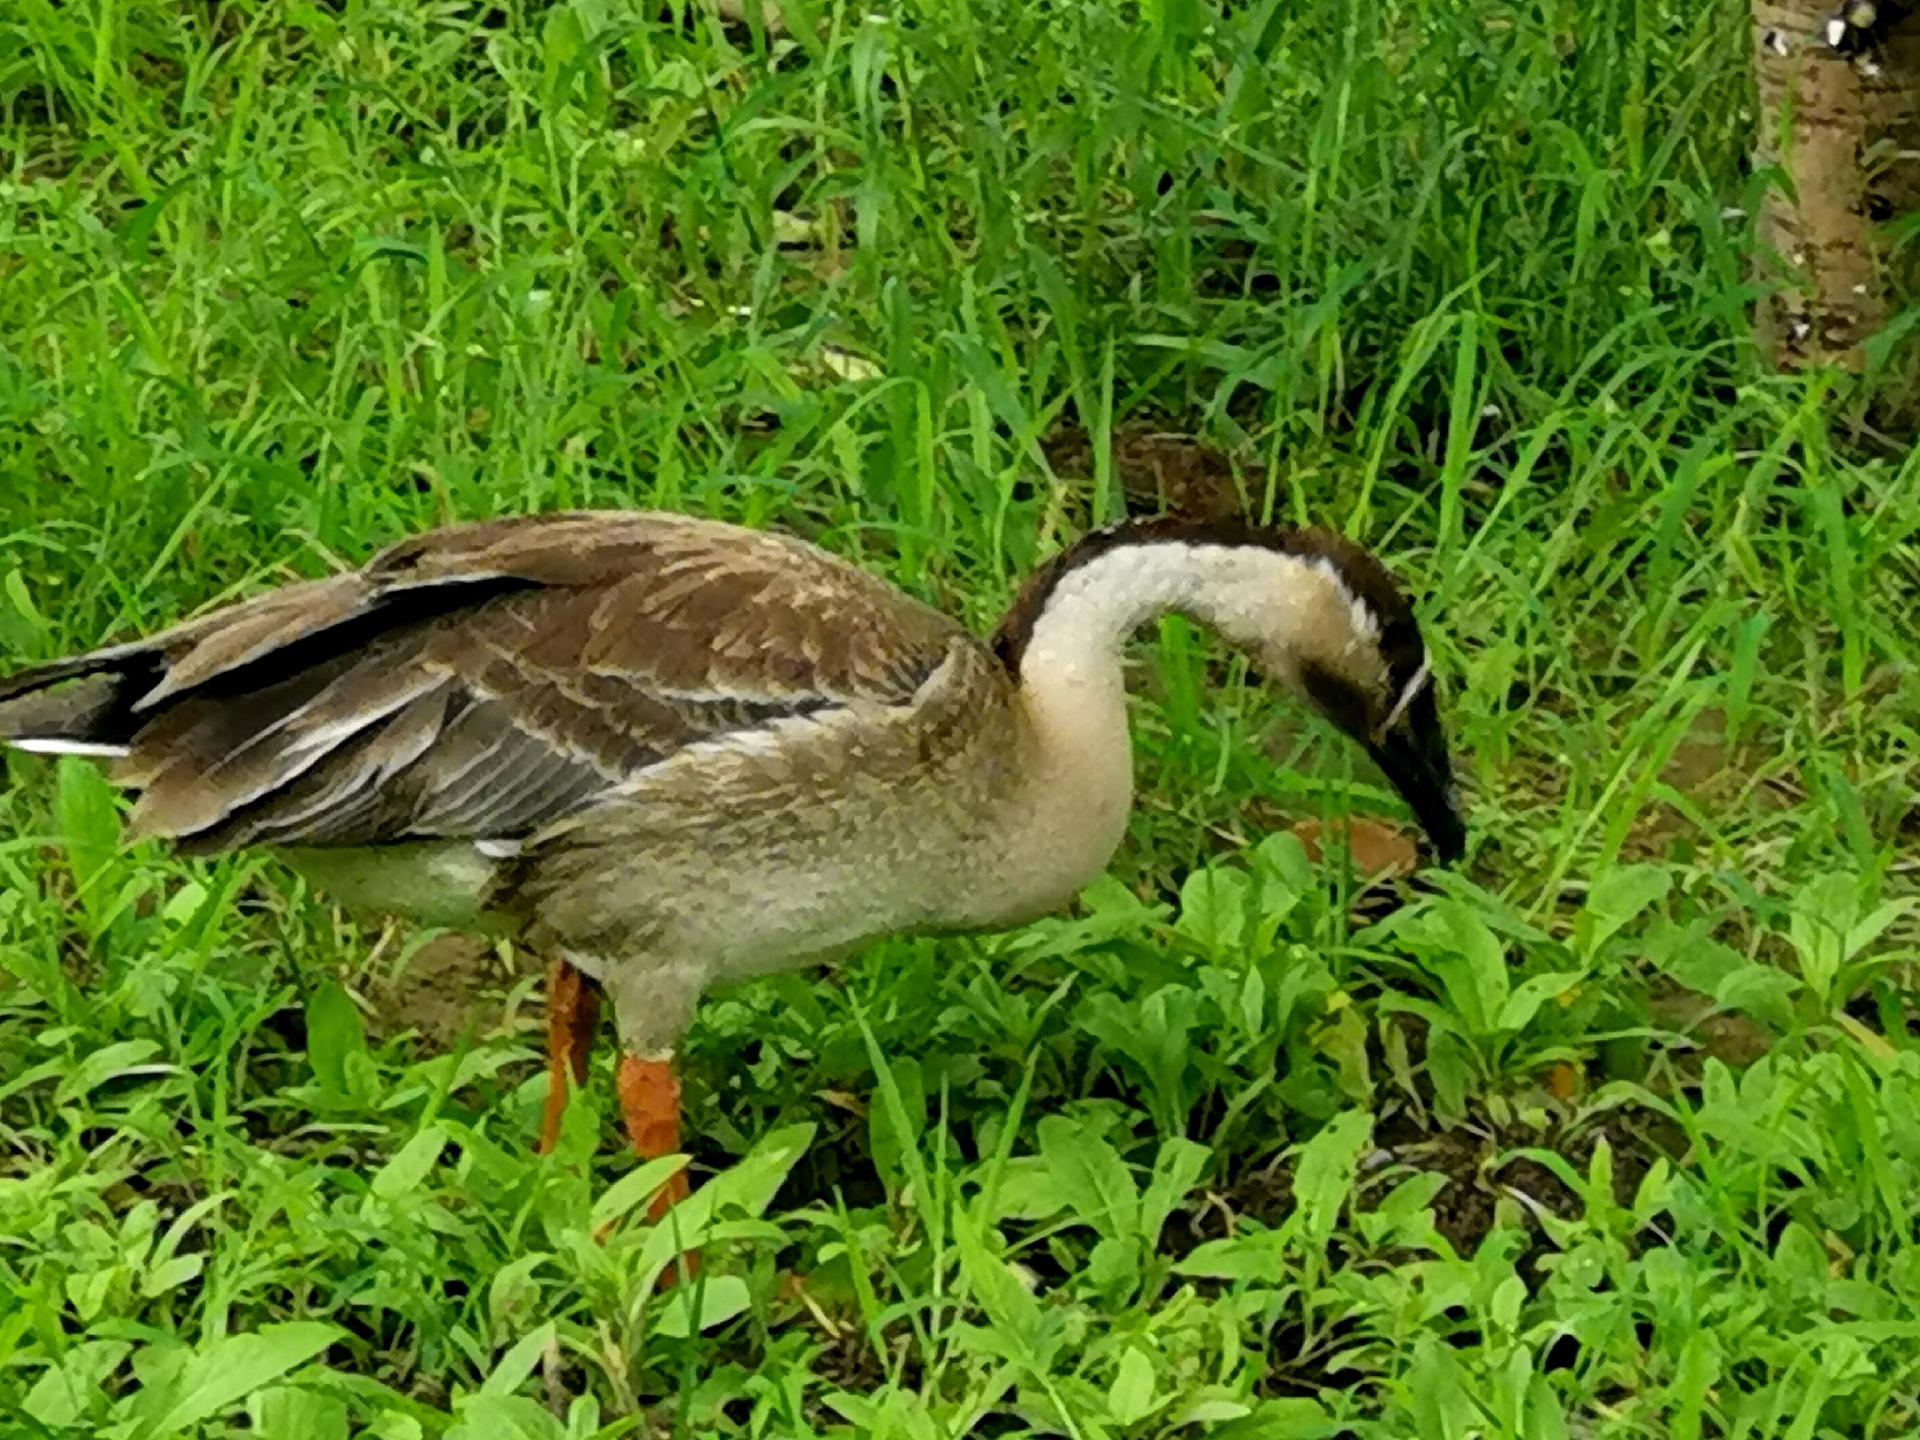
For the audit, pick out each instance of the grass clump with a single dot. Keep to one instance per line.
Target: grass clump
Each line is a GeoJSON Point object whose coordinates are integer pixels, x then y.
{"type": "Point", "coordinates": [1608, 1135]}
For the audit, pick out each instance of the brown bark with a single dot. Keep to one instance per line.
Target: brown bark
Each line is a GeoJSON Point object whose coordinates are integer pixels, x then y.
{"type": "Point", "coordinates": [1841, 122]}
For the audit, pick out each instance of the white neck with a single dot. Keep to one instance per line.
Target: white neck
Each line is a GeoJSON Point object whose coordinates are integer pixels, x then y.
{"type": "Point", "coordinates": [1264, 600]}
{"type": "Point", "coordinates": [1072, 692]}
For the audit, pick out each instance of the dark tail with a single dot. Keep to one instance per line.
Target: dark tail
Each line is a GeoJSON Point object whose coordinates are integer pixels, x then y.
{"type": "Point", "coordinates": [82, 705]}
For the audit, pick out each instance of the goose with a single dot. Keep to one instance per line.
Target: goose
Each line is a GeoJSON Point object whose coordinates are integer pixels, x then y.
{"type": "Point", "coordinates": [670, 753]}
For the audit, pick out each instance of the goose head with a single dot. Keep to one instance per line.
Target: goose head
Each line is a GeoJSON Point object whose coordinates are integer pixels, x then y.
{"type": "Point", "coordinates": [1313, 612]}
{"type": "Point", "coordinates": [1321, 616]}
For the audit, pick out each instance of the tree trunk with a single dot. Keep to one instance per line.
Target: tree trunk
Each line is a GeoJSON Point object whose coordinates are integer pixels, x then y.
{"type": "Point", "coordinates": [1839, 92]}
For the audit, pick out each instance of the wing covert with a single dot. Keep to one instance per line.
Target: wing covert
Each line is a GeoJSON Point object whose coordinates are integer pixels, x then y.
{"type": "Point", "coordinates": [485, 680]}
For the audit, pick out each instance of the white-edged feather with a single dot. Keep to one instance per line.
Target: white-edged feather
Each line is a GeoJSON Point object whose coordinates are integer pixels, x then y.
{"type": "Point", "coordinates": [1408, 695]}
{"type": "Point", "coordinates": [54, 745]}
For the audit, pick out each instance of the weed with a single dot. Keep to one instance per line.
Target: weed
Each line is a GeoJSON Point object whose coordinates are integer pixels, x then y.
{"type": "Point", "coordinates": [1242, 1146]}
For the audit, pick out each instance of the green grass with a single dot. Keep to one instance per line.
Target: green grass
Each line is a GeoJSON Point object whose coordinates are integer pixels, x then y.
{"type": "Point", "coordinates": [1610, 1134]}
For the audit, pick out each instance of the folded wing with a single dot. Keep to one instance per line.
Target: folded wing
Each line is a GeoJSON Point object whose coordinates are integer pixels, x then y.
{"type": "Point", "coordinates": [479, 681]}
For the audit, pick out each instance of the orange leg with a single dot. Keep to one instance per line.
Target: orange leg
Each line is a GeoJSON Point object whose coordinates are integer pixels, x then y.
{"type": "Point", "coordinates": [650, 1103]}
{"type": "Point", "coordinates": [573, 1004]}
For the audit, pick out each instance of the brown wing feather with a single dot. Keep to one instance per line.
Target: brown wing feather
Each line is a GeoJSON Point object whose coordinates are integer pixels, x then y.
{"type": "Point", "coordinates": [486, 679]}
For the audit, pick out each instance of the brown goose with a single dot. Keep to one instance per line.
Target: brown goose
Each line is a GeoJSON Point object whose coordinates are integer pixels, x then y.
{"type": "Point", "coordinates": [673, 753]}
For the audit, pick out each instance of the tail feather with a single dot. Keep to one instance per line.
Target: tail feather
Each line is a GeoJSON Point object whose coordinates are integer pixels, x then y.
{"type": "Point", "coordinates": [95, 704]}
{"type": "Point", "coordinates": [79, 706]}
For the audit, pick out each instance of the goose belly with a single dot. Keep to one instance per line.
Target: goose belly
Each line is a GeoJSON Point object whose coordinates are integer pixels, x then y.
{"type": "Point", "coordinates": [768, 898]}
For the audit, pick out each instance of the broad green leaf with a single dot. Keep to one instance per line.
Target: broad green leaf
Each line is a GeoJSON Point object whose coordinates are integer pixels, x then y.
{"type": "Point", "coordinates": [25, 629]}
{"type": "Point", "coordinates": [1800, 1259]}
{"type": "Point", "coordinates": [1761, 991]}
{"type": "Point", "coordinates": [896, 1417]}
{"type": "Point", "coordinates": [1323, 1177]}
{"type": "Point", "coordinates": [1438, 1393]}
{"type": "Point", "coordinates": [513, 1288]}
{"type": "Point", "coordinates": [1176, 1170]}
{"type": "Point", "coordinates": [1650, 1197]}
{"type": "Point", "coordinates": [1530, 995]}
{"type": "Point", "coordinates": [107, 1063]}
{"type": "Point", "coordinates": [1615, 900]}
{"type": "Point", "coordinates": [170, 1274]}
{"type": "Point", "coordinates": [1870, 929]}
{"type": "Point", "coordinates": [1091, 1175]}
{"type": "Point", "coordinates": [1343, 1040]}
{"type": "Point", "coordinates": [1153, 1035]}
{"type": "Point", "coordinates": [287, 1412]}
{"type": "Point", "coordinates": [720, 1298]}
{"type": "Point", "coordinates": [487, 1416]}
{"type": "Point", "coordinates": [1112, 911]}
{"type": "Point", "coordinates": [1405, 1217]}
{"type": "Point", "coordinates": [184, 903]}
{"type": "Point", "coordinates": [1450, 1068]}
{"type": "Point", "coordinates": [519, 1362]}
{"type": "Point", "coordinates": [1503, 1306]}
{"type": "Point", "coordinates": [855, 1408]}
{"type": "Point", "coordinates": [583, 1420]}
{"type": "Point", "coordinates": [1824, 915]}
{"type": "Point", "coordinates": [1485, 959]}
{"type": "Point", "coordinates": [1698, 1370]}
{"type": "Point", "coordinates": [159, 1367]}
{"type": "Point", "coordinates": [746, 1187]}
{"type": "Point", "coordinates": [638, 1185]}
{"type": "Point", "coordinates": [1130, 1398]}
{"type": "Point", "coordinates": [1015, 1314]}
{"type": "Point", "coordinates": [223, 1376]}
{"type": "Point", "coordinates": [1466, 1004]}
{"type": "Point", "coordinates": [87, 1291]}
{"type": "Point", "coordinates": [1695, 959]}
{"type": "Point", "coordinates": [1210, 1409]}
{"type": "Point", "coordinates": [1107, 894]}
{"type": "Point", "coordinates": [1285, 873]}
{"type": "Point", "coordinates": [1304, 983]}
{"type": "Point", "coordinates": [1545, 1420]}
{"type": "Point", "coordinates": [334, 1031]}
{"type": "Point", "coordinates": [1455, 943]}
{"type": "Point", "coordinates": [889, 1146]}
{"type": "Point", "coordinates": [1251, 1009]}
{"type": "Point", "coordinates": [1412, 1196]}
{"type": "Point", "coordinates": [1295, 1417]}
{"type": "Point", "coordinates": [1258, 1256]}
{"type": "Point", "coordinates": [67, 1391]}
{"type": "Point", "coordinates": [1113, 1265]}
{"type": "Point", "coordinates": [88, 816]}
{"type": "Point", "coordinates": [1028, 1190]}
{"type": "Point", "coordinates": [1214, 905]}
{"type": "Point", "coordinates": [1440, 1020]}
{"type": "Point", "coordinates": [410, 1164]}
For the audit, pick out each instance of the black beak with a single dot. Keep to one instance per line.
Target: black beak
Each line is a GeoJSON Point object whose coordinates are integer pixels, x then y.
{"type": "Point", "coordinates": [1414, 757]}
